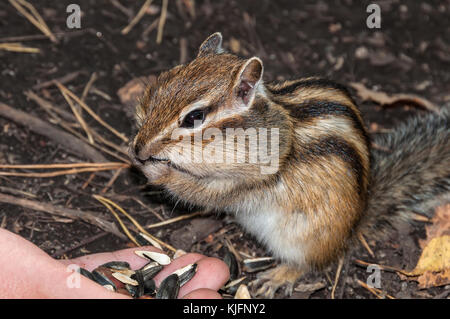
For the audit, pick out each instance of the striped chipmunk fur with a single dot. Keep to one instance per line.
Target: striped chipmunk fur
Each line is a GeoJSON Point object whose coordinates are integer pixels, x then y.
{"type": "Point", "coordinates": [327, 185]}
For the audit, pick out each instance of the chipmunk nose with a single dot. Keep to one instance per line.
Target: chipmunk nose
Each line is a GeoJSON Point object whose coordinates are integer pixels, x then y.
{"type": "Point", "coordinates": [134, 153]}
{"type": "Point", "coordinates": [139, 157]}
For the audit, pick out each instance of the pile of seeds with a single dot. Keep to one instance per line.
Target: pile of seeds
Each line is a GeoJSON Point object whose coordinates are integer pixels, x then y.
{"type": "Point", "coordinates": [117, 276]}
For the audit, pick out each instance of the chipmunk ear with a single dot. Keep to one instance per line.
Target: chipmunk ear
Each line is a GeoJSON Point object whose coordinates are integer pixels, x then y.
{"type": "Point", "coordinates": [212, 45]}
{"type": "Point", "coordinates": [248, 79]}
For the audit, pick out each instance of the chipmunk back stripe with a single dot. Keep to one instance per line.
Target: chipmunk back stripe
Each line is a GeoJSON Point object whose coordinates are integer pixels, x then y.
{"type": "Point", "coordinates": [333, 145]}
{"type": "Point", "coordinates": [307, 83]}
{"type": "Point", "coordinates": [311, 109]}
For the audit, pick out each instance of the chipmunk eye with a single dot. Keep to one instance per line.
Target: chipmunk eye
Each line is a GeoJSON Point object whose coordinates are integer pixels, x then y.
{"type": "Point", "coordinates": [192, 117]}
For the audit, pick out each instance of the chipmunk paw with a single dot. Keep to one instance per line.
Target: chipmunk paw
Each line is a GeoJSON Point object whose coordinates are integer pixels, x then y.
{"type": "Point", "coordinates": [273, 279]}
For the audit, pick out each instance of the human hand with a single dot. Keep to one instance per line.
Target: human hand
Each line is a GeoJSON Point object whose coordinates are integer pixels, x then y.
{"type": "Point", "coordinates": [28, 272]}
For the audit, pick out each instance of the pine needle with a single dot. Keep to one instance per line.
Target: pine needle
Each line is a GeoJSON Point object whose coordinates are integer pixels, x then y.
{"type": "Point", "coordinates": [34, 17]}
{"type": "Point", "coordinates": [18, 47]}
{"type": "Point", "coordinates": [138, 226]}
{"type": "Point", "coordinates": [137, 18]}
{"type": "Point", "coordinates": [162, 21]}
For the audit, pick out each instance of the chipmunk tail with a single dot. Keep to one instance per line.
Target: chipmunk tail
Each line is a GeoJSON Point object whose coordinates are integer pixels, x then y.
{"type": "Point", "coordinates": [410, 173]}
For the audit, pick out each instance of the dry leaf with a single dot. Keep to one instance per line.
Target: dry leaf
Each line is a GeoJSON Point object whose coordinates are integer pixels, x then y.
{"type": "Point", "coordinates": [435, 256]}
{"type": "Point", "coordinates": [433, 267]}
{"type": "Point", "coordinates": [133, 90]}
{"type": "Point", "coordinates": [384, 99]}
{"type": "Point", "coordinates": [430, 279]}
{"type": "Point", "coordinates": [439, 226]}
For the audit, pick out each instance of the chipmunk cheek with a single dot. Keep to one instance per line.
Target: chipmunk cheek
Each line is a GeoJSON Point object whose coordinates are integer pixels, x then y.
{"type": "Point", "coordinates": [155, 173]}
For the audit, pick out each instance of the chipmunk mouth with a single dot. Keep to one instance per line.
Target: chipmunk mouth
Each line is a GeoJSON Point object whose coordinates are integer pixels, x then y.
{"type": "Point", "coordinates": [181, 169]}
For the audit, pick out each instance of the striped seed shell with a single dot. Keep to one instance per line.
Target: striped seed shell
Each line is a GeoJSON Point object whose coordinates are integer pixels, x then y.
{"type": "Point", "coordinates": [232, 263]}
{"type": "Point", "coordinates": [102, 279]}
{"type": "Point", "coordinates": [150, 270]}
{"type": "Point", "coordinates": [117, 265]}
{"type": "Point", "coordinates": [169, 287]}
{"type": "Point", "coordinates": [160, 258]}
{"type": "Point", "coordinates": [186, 273]}
{"type": "Point", "coordinates": [258, 264]}
{"type": "Point", "coordinates": [124, 279]}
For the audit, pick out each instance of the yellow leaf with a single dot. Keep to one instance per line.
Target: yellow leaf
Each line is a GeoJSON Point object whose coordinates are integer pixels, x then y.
{"type": "Point", "coordinates": [435, 256]}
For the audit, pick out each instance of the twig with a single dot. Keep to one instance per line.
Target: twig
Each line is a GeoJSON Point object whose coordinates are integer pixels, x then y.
{"type": "Point", "coordinates": [173, 220]}
{"type": "Point", "coordinates": [149, 208]}
{"type": "Point", "coordinates": [63, 165]}
{"type": "Point", "coordinates": [16, 191]}
{"type": "Point", "coordinates": [64, 79]}
{"type": "Point", "coordinates": [18, 47]}
{"type": "Point", "coordinates": [366, 245]}
{"type": "Point", "coordinates": [183, 50]}
{"type": "Point", "coordinates": [162, 21]}
{"type": "Point", "coordinates": [50, 109]}
{"type": "Point", "coordinates": [92, 113]}
{"type": "Point", "coordinates": [125, 229]}
{"type": "Point", "coordinates": [92, 79]}
{"type": "Point", "coordinates": [377, 292]}
{"type": "Point", "coordinates": [34, 17]}
{"type": "Point", "coordinates": [126, 11]}
{"type": "Point", "coordinates": [86, 183]}
{"type": "Point", "coordinates": [336, 278]}
{"type": "Point", "coordinates": [101, 93]}
{"type": "Point", "coordinates": [111, 181]}
{"type": "Point", "coordinates": [68, 141]}
{"type": "Point", "coordinates": [150, 28]}
{"type": "Point", "coordinates": [76, 113]}
{"type": "Point", "coordinates": [137, 18]}
{"type": "Point", "coordinates": [383, 267]}
{"type": "Point", "coordinates": [59, 173]}
{"type": "Point", "coordinates": [89, 217]}
{"type": "Point", "coordinates": [138, 226]}
{"type": "Point", "coordinates": [384, 99]}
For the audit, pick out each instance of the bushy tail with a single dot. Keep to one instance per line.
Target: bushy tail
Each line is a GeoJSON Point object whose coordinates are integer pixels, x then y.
{"type": "Point", "coordinates": [412, 175]}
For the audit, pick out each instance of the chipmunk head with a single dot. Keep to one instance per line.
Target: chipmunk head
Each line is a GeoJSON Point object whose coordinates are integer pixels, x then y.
{"type": "Point", "coordinates": [183, 113]}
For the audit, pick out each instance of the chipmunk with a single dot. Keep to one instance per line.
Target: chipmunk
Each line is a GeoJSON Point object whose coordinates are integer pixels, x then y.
{"type": "Point", "coordinates": [328, 185]}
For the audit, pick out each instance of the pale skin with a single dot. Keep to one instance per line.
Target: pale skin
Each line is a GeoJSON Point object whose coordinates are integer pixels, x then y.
{"type": "Point", "coordinates": [28, 272]}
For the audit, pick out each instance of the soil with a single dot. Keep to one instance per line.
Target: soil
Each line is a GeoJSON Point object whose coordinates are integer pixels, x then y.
{"type": "Point", "coordinates": [410, 53]}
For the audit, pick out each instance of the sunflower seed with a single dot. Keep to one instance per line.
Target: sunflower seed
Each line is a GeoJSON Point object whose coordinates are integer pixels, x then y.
{"type": "Point", "coordinates": [124, 279]}
{"type": "Point", "coordinates": [86, 273]}
{"type": "Point", "coordinates": [179, 253]}
{"type": "Point", "coordinates": [233, 266]}
{"type": "Point", "coordinates": [162, 259]}
{"type": "Point", "coordinates": [242, 293]}
{"type": "Point", "coordinates": [117, 265]}
{"type": "Point", "coordinates": [257, 264]}
{"type": "Point", "coordinates": [150, 270]}
{"type": "Point", "coordinates": [149, 287]}
{"type": "Point", "coordinates": [234, 282]}
{"type": "Point", "coordinates": [169, 287]}
{"type": "Point", "coordinates": [102, 279]}
{"type": "Point", "coordinates": [132, 290]}
{"type": "Point", "coordinates": [109, 287]}
{"type": "Point", "coordinates": [186, 273]}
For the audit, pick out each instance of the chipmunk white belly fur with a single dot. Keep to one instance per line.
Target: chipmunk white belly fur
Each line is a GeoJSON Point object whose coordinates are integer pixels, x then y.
{"type": "Point", "coordinates": [328, 185]}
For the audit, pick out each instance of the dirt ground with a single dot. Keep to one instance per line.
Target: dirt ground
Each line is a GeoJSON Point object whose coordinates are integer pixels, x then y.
{"type": "Point", "coordinates": [410, 53]}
